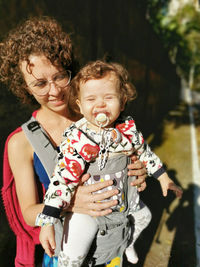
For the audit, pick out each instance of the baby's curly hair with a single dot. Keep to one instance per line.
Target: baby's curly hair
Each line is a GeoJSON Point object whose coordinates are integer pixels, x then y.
{"type": "Point", "coordinates": [97, 70]}
{"type": "Point", "coordinates": [37, 35]}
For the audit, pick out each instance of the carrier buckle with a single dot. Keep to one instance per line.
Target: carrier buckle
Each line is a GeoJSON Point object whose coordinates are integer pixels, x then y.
{"type": "Point", "coordinates": [33, 126]}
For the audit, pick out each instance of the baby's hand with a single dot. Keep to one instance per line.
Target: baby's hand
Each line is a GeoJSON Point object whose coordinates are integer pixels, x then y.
{"type": "Point", "coordinates": [167, 184]}
{"type": "Point", "coordinates": [47, 239]}
{"type": "Point", "coordinates": [176, 189]}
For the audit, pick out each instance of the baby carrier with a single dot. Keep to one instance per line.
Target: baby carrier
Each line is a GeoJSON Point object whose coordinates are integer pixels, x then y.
{"type": "Point", "coordinates": [111, 239]}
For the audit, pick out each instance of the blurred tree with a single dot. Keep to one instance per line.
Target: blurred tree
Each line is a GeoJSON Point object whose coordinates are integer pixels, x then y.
{"type": "Point", "coordinates": [180, 35]}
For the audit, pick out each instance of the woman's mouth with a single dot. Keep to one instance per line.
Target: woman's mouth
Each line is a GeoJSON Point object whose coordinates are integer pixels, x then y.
{"type": "Point", "coordinates": [58, 101]}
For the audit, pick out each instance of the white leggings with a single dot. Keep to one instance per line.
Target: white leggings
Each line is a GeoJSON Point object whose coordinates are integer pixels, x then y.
{"type": "Point", "coordinates": [79, 233]}
{"type": "Point", "coordinates": [141, 220]}
{"type": "Point", "coordinates": [80, 230]}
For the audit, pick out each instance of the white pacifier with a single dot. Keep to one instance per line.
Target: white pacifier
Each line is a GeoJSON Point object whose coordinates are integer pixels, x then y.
{"type": "Point", "coordinates": [101, 120]}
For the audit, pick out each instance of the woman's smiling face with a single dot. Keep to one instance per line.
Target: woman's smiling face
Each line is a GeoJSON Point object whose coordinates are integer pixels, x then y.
{"type": "Point", "coordinates": [40, 68]}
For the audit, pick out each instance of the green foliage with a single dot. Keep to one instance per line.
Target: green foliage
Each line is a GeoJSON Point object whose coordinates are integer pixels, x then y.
{"type": "Point", "coordinates": [179, 33]}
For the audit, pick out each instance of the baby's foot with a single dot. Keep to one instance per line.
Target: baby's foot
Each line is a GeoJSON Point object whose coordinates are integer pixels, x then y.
{"type": "Point", "coordinates": [131, 255]}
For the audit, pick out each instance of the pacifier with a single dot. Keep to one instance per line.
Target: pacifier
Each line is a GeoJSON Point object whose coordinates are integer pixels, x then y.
{"type": "Point", "coordinates": [101, 120]}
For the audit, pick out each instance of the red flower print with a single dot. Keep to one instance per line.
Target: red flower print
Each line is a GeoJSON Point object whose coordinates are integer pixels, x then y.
{"type": "Point", "coordinates": [73, 141]}
{"type": "Point", "coordinates": [69, 149]}
{"type": "Point", "coordinates": [74, 167]}
{"type": "Point", "coordinates": [58, 192]}
{"type": "Point", "coordinates": [123, 127]}
{"type": "Point", "coordinates": [89, 152]}
{"type": "Point", "coordinates": [79, 135]}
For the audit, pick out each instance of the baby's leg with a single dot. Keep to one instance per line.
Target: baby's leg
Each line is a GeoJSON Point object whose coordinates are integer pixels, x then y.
{"type": "Point", "coordinates": [141, 220]}
{"type": "Point", "coordinates": [78, 235]}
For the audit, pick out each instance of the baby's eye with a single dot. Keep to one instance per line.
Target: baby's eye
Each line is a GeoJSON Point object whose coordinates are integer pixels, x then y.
{"type": "Point", "coordinates": [109, 97]}
{"type": "Point", "coordinates": [90, 99]}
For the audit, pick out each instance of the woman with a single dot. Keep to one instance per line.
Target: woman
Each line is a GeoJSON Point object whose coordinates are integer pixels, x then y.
{"type": "Point", "coordinates": [36, 62]}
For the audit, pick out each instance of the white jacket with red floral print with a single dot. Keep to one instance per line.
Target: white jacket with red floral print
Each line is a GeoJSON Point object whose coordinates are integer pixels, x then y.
{"type": "Point", "coordinates": [81, 145]}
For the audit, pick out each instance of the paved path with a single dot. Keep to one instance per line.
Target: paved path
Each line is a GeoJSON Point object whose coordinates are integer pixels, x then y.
{"type": "Point", "coordinates": [169, 241]}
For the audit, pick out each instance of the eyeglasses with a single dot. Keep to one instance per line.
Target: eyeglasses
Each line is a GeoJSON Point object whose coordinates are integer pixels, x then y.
{"type": "Point", "coordinates": [41, 87]}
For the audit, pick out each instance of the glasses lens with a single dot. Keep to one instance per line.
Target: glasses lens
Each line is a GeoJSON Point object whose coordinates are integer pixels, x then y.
{"type": "Point", "coordinates": [40, 88]}
{"type": "Point", "coordinates": [60, 79]}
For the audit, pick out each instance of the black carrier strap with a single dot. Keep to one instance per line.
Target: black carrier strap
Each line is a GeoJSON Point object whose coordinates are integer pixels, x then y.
{"type": "Point", "coordinates": [41, 144]}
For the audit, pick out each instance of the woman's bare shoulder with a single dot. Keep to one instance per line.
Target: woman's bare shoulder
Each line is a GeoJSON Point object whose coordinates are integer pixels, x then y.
{"type": "Point", "coordinates": [18, 143]}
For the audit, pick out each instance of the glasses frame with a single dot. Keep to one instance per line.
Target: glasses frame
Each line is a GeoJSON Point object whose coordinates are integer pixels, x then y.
{"type": "Point", "coordinates": [51, 81]}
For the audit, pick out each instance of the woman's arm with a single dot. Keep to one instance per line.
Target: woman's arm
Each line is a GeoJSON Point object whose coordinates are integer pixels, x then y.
{"type": "Point", "coordinates": [20, 155]}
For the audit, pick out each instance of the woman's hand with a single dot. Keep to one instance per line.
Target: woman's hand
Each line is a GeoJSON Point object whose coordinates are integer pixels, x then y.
{"type": "Point", "coordinates": [84, 201]}
{"type": "Point", "coordinates": [137, 168]}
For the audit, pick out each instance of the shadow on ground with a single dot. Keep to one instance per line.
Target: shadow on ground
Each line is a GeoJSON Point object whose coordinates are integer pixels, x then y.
{"type": "Point", "coordinates": [183, 247]}
{"type": "Point", "coordinates": [181, 219]}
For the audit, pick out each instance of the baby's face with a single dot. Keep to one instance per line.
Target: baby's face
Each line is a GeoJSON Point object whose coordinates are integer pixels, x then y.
{"type": "Point", "coordinates": [100, 96]}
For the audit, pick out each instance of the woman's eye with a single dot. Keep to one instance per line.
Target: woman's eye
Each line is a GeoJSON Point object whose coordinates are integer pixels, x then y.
{"type": "Point", "coordinates": [40, 84]}
{"type": "Point", "coordinates": [60, 77]}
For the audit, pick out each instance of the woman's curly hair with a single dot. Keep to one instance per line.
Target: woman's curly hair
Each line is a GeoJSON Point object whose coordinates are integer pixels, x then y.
{"type": "Point", "coordinates": [96, 70]}
{"type": "Point", "coordinates": [40, 36]}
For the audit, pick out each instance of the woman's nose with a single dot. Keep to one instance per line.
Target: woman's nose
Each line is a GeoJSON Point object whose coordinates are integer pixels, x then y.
{"type": "Point", "coordinates": [54, 89]}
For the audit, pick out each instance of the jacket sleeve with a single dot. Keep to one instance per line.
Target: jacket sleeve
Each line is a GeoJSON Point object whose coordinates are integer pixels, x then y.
{"type": "Point", "coordinates": [75, 151]}
{"type": "Point", "coordinates": [64, 180]}
{"type": "Point", "coordinates": [151, 161]}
